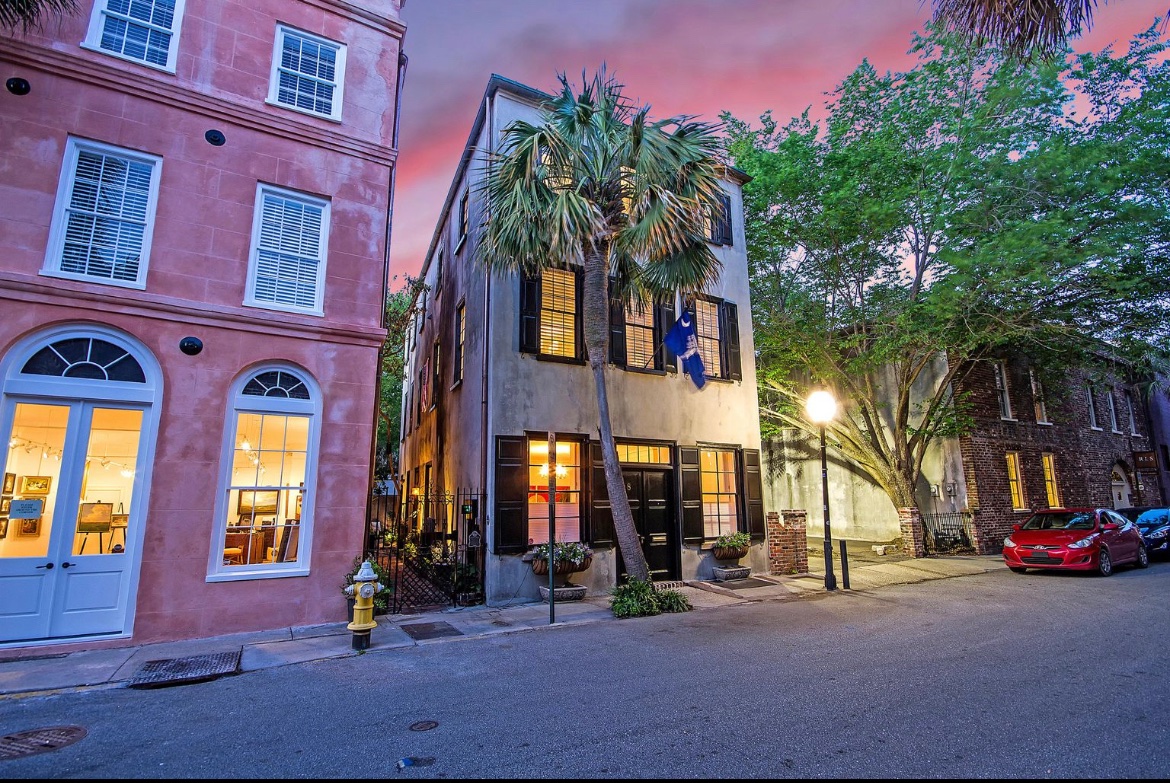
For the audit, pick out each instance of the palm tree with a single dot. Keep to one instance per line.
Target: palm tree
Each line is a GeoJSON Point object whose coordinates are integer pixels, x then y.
{"type": "Point", "coordinates": [27, 14]}
{"type": "Point", "coordinates": [1023, 28]}
{"type": "Point", "coordinates": [597, 184]}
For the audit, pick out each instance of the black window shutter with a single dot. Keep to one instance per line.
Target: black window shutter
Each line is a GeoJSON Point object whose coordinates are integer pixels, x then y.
{"type": "Point", "coordinates": [579, 321]}
{"type": "Point", "coordinates": [691, 493]}
{"type": "Point", "coordinates": [730, 329]}
{"type": "Point", "coordinates": [617, 332]}
{"type": "Point", "coordinates": [753, 491]}
{"type": "Point", "coordinates": [511, 523]}
{"type": "Point", "coordinates": [725, 220]}
{"type": "Point", "coordinates": [600, 512]}
{"type": "Point", "coordinates": [664, 359]}
{"type": "Point", "coordinates": [529, 314]}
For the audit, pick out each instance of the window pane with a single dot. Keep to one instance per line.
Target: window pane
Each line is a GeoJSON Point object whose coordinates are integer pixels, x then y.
{"type": "Point", "coordinates": [720, 501]}
{"type": "Point", "coordinates": [558, 313]}
{"type": "Point", "coordinates": [639, 336]}
{"type": "Point", "coordinates": [568, 491]}
{"type": "Point", "coordinates": [707, 335]}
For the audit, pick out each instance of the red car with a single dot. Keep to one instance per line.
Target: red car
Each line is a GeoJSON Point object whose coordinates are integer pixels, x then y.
{"type": "Point", "coordinates": [1075, 539]}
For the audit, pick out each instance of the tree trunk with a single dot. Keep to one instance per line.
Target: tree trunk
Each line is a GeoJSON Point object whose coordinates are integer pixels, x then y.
{"type": "Point", "coordinates": [596, 318]}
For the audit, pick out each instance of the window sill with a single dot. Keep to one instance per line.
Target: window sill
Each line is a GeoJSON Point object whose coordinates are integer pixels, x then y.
{"type": "Point", "coordinates": [1044, 423]}
{"type": "Point", "coordinates": [1096, 429]}
{"type": "Point", "coordinates": [168, 68]}
{"type": "Point", "coordinates": [455, 385]}
{"type": "Point", "coordinates": [1009, 418]}
{"type": "Point", "coordinates": [336, 119]}
{"type": "Point", "coordinates": [546, 357]}
{"type": "Point", "coordinates": [459, 245]}
{"type": "Point", "coordinates": [133, 284]}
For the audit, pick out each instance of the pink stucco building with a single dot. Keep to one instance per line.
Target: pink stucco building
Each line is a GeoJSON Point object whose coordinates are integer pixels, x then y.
{"type": "Point", "coordinates": [195, 199]}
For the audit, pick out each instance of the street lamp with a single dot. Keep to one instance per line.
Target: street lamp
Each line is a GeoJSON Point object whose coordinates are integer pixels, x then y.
{"type": "Point", "coordinates": [821, 407]}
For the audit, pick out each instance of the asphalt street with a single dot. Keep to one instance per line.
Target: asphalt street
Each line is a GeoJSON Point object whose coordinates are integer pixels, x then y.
{"type": "Point", "coordinates": [993, 675]}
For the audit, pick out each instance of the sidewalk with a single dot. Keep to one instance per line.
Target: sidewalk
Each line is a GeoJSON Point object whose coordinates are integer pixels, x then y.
{"type": "Point", "coordinates": [171, 663]}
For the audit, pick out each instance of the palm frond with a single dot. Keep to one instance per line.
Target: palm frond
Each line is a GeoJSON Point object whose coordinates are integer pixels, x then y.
{"type": "Point", "coordinates": [29, 14]}
{"type": "Point", "coordinates": [1022, 28]}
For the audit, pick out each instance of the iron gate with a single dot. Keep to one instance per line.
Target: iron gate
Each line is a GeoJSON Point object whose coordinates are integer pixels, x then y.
{"type": "Point", "coordinates": [432, 550]}
{"type": "Point", "coordinates": [948, 533]}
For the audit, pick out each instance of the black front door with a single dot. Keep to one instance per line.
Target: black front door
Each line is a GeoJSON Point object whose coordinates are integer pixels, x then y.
{"type": "Point", "coordinates": [650, 500]}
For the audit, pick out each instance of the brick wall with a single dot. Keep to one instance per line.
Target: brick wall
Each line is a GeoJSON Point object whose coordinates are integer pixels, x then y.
{"type": "Point", "coordinates": [787, 542]}
{"type": "Point", "coordinates": [1084, 456]}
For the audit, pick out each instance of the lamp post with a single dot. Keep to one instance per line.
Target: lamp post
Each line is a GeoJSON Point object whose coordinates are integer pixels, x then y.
{"type": "Point", "coordinates": [821, 407]}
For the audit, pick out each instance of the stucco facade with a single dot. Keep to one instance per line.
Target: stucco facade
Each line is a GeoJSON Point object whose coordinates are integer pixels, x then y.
{"type": "Point", "coordinates": [505, 396]}
{"type": "Point", "coordinates": [259, 141]}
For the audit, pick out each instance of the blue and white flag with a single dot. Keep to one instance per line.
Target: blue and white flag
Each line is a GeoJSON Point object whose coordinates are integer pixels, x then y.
{"type": "Point", "coordinates": [681, 340]}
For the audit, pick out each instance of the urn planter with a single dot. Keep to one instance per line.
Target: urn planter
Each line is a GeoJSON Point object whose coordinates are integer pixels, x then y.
{"type": "Point", "coordinates": [729, 552]}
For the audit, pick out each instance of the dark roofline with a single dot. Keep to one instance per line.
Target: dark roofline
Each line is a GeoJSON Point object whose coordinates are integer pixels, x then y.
{"type": "Point", "coordinates": [529, 95]}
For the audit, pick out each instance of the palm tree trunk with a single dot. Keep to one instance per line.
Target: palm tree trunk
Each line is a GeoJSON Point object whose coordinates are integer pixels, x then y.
{"type": "Point", "coordinates": [596, 318]}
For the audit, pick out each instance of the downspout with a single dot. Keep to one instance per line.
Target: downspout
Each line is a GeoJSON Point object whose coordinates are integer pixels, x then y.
{"type": "Point", "coordinates": [483, 375]}
{"type": "Point", "coordinates": [402, 62]}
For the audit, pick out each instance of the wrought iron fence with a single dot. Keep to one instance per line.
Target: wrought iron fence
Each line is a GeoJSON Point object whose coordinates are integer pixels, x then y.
{"type": "Point", "coordinates": [432, 550]}
{"type": "Point", "coordinates": [949, 533]}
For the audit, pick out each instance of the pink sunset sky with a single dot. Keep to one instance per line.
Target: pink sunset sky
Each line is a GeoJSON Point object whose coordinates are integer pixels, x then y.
{"type": "Point", "coordinates": [697, 57]}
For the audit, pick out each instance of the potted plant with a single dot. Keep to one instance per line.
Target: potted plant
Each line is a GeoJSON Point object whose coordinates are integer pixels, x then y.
{"type": "Point", "coordinates": [731, 546]}
{"type": "Point", "coordinates": [381, 598]}
{"type": "Point", "coordinates": [569, 557]}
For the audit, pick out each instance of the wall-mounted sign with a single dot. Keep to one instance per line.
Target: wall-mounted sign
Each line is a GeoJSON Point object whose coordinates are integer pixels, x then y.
{"type": "Point", "coordinates": [1145, 460]}
{"type": "Point", "coordinates": [30, 508]}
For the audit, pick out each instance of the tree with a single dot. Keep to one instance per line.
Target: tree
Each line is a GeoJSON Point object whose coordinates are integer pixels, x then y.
{"type": "Point", "coordinates": [29, 14]}
{"type": "Point", "coordinates": [944, 215]}
{"type": "Point", "coordinates": [401, 306]}
{"type": "Point", "coordinates": [1024, 29]}
{"type": "Point", "coordinates": [597, 184]}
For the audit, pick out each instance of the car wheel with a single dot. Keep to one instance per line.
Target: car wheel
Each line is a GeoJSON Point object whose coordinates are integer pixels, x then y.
{"type": "Point", "coordinates": [1143, 558]}
{"type": "Point", "coordinates": [1017, 570]}
{"type": "Point", "coordinates": [1104, 563]}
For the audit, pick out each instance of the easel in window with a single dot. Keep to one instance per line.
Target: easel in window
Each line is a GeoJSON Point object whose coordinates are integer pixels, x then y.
{"type": "Point", "coordinates": [95, 518]}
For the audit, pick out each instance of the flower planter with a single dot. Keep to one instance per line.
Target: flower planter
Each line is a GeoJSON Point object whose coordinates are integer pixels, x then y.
{"type": "Point", "coordinates": [729, 552]}
{"type": "Point", "coordinates": [540, 566]}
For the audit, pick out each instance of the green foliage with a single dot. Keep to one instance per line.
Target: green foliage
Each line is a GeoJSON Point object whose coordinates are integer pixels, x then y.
{"type": "Point", "coordinates": [382, 597]}
{"type": "Point", "coordinates": [970, 207]}
{"type": "Point", "coordinates": [572, 551]}
{"type": "Point", "coordinates": [638, 598]}
{"type": "Point", "coordinates": [733, 540]}
{"type": "Point", "coordinates": [401, 307]}
{"type": "Point", "coordinates": [30, 15]}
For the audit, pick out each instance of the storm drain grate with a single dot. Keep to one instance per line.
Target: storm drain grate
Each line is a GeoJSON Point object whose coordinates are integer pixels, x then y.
{"type": "Point", "coordinates": [421, 631]}
{"type": "Point", "coordinates": [34, 741]}
{"type": "Point", "coordinates": [179, 671]}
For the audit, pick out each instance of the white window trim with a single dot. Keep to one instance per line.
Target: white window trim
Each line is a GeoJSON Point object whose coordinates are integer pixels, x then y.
{"type": "Point", "coordinates": [1094, 423]}
{"type": "Point", "coordinates": [1130, 411]}
{"type": "Point", "coordinates": [93, 37]}
{"type": "Point", "coordinates": [1003, 397]}
{"type": "Point", "coordinates": [1112, 411]}
{"type": "Point", "coordinates": [1038, 399]}
{"type": "Point", "coordinates": [254, 252]}
{"type": "Point", "coordinates": [56, 244]}
{"type": "Point", "coordinates": [274, 74]}
{"type": "Point", "coordinates": [241, 403]}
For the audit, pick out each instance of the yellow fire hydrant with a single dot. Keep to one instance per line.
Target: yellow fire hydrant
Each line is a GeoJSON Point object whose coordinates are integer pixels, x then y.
{"type": "Point", "coordinates": [365, 586]}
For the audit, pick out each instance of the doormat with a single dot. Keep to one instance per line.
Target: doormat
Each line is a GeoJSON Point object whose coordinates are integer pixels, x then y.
{"type": "Point", "coordinates": [740, 584]}
{"type": "Point", "coordinates": [423, 631]}
{"type": "Point", "coordinates": [180, 671]}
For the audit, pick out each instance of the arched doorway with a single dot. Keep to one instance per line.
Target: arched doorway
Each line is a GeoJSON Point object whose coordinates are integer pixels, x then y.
{"type": "Point", "coordinates": [79, 416]}
{"type": "Point", "coordinates": [1121, 492]}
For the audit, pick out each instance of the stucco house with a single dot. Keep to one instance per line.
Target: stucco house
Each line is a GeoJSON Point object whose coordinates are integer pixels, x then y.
{"type": "Point", "coordinates": [194, 215]}
{"type": "Point", "coordinates": [496, 376]}
{"type": "Point", "coordinates": [1081, 440]}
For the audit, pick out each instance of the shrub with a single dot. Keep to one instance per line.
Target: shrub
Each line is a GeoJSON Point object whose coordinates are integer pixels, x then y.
{"type": "Point", "coordinates": [733, 540]}
{"type": "Point", "coordinates": [636, 598]}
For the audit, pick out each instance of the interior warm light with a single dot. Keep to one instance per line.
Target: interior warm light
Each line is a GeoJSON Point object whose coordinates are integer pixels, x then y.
{"type": "Point", "coordinates": [245, 445]}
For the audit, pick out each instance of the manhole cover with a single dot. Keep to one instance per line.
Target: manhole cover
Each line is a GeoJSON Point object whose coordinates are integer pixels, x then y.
{"type": "Point", "coordinates": [422, 631]}
{"type": "Point", "coordinates": [424, 725]}
{"type": "Point", "coordinates": [178, 671]}
{"type": "Point", "coordinates": [30, 743]}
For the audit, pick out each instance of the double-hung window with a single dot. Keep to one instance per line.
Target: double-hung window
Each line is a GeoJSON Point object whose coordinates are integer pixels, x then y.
{"type": "Point", "coordinates": [716, 324]}
{"type": "Point", "coordinates": [307, 73]}
{"type": "Point", "coordinates": [1112, 410]}
{"type": "Point", "coordinates": [144, 31]}
{"type": "Point", "coordinates": [460, 334]}
{"type": "Point", "coordinates": [104, 216]}
{"type": "Point", "coordinates": [1038, 405]}
{"type": "Point", "coordinates": [463, 218]}
{"type": "Point", "coordinates": [567, 481]}
{"type": "Point", "coordinates": [266, 522]}
{"type": "Point", "coordinates": [719, 229]}
{"type": "Point", "coordinates": [1093, 423]}
{"type": "Point", "coordinates": [1015, 480]}
{"type": "Point", "coordinates": [550, 314]}
{"type": "Point", "coordinates": [435, 377]}
{"type": "Point", "coordinates": [720, 491]}
{"type": "Point", "coordinates": [1001, 391]}
{"type": "Point", "coordinates": [1048, 461]}
{"type": "Point", "coordinates": [1130, 413]}
{"type": "Point", "coordinates": [290, 233]}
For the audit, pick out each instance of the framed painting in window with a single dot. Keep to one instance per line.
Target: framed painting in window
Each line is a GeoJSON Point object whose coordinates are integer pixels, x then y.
{"type": "Point", "coordinates": [35, 485]}
{"type": "Point", "coordinates": [9, 484]}
{"type": "Point", "coordinates": [257, 501]}
{"type": "Point", "coordinates": [95, 517]}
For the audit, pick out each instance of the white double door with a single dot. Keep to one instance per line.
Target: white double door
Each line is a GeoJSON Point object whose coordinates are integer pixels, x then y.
{"type": "Point", "coordinates": [69, 555]}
